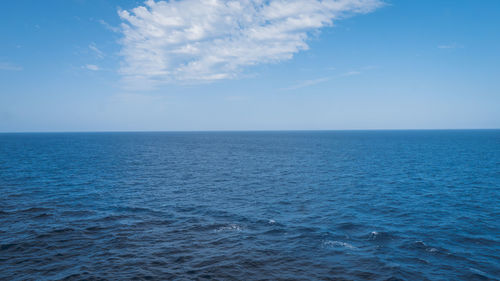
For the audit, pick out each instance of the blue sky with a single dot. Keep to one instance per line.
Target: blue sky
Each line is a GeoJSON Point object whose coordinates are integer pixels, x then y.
{"type": "Point", "coordinates": [103, 65]}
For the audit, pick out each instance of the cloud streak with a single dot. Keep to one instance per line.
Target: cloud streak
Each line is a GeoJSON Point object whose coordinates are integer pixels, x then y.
{"type": "Point", "coordinates": [109, 26]}
{"type": "Point", "coordinates": [97, 51]}
{"type": "Point", "coordinates": [10, 67]}
{"type": "Point", "coordinates": [450, 46]}
{"type": "Point", "coordinates": [204, 40]}
{"type": "Point", "coordinates": [92, 67]}
{"type": "Point", "coordinates": [308, 83]}
{"type": "Point", "coordinates": [351, 73]}
{"type": "Point", "coordinates": [312, 82]}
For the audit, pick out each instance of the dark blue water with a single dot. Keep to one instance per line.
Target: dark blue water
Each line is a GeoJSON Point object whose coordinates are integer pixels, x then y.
{"type": "Point", "coordinates": [360, 205]}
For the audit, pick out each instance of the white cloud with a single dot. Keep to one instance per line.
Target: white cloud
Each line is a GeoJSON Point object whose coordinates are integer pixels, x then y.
{"type": "Point", "coordinates": [92, 67]}
{"type": "Point", "coordinates": [204, 40]}
{"type": "Point", "coordinates": [10, 66]}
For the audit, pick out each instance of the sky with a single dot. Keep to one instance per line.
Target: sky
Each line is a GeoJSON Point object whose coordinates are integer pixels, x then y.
{"type": "Point", "coordinates": [108, 65]}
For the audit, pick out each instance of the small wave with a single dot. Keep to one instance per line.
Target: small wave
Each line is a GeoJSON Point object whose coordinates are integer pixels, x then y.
{"type": "Point", "coordinates": [35, 210]}
{"type": "Point", "coordinates": [271, 221]}
{"type": "Point", "coordinates": [135, 209]}
{"type": "Point", "coordinates": [373, 235]}
{"type": "Point", "coordinates": [338, 244]}
{"type": "Point", "coordinates": [477, 240]}
{"type": "Point", "coordinates": [63, 230]}
{"type": "Point", "coordinates": [42, 216]}
{"type": "Point", "coordinates": [275, 231]}
{"type": "Point", "coordinates": [478, 272]}
{"type": "Point", "coordinates": [348, 226]}
{"type": "Point", "coordinates": [379, 236]}
{"type": "Point", "coordinates": [112, 218]}
{"type": "Point", "coordinates": [95, 228]}
{"type": "Point", "coordinates": [231, 227]}
{"type": "Point", "coordinates": [6, 246]}
{"type": "Point", "coordinates": [56, 231]}
{"type": "Point", "coordinates": [423, 246]}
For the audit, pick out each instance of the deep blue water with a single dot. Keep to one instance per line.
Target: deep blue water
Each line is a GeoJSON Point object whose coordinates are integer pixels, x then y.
{"type": "Point", "coordinates": [356, 205]}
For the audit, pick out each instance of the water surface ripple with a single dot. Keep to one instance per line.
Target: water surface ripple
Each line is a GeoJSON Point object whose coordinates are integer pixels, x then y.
{"type": "Point", "coordinates": [353, 205]}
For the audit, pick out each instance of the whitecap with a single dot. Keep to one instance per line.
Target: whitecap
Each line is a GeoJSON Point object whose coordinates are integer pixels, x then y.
{"type": "Point", "coordinates": [373, 235]}
{"type": "Point", "coordinates": [231, 227]}
{"type": "Point", "coordinates": [338, 244]}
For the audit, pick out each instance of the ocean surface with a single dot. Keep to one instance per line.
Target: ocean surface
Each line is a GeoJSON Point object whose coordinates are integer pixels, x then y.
{"type": "Point", "coordinates": [332, 205]}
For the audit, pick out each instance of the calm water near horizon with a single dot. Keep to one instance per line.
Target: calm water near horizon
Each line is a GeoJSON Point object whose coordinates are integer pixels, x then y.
{"type": "Point", "coordinates": [325, 205]}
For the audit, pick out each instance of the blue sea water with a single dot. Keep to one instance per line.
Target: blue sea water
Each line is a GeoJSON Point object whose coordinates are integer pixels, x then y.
{"type": "Point", "coordinates": [332, 205]}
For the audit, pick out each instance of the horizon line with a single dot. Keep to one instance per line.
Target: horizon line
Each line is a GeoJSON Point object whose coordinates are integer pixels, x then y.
{"type": "Point", "coordinates": [242, 131]}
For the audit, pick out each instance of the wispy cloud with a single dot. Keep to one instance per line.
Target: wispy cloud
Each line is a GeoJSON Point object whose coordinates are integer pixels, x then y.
{"type": "Point", "coordinates": [109, 26]}
{"type": "Point", "coordinates": [312, 82]}
{"type": "Point", "coordinates": [96, 50]}
{"type": "Point", "coordinates": [351, 73]}
{"type": "Point", "coordinates": [307, 83]}
{"type": "Point", "coordinates": [205, 40]}
{"type": "Point", "coordinates": [92, 67]}
{"type": "Point", "coordinates": [10, 67]}
{"type": "Point", "coordinates": [450, 46]}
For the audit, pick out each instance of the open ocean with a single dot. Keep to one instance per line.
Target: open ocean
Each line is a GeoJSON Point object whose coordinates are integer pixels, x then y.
{"type": "Point", "coordinates": [325, 205]}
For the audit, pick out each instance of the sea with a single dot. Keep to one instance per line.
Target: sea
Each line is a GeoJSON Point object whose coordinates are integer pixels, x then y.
{"type": "Point", "coordinates": [287, 205]}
